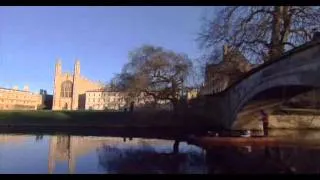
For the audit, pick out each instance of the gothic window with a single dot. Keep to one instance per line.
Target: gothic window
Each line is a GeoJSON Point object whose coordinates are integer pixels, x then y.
{"type": "Point", "coordinates": [66, 89]}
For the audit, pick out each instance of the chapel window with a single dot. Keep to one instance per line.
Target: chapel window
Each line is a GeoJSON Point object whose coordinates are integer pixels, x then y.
{"type": "Point", "coordinates": [66, 89]}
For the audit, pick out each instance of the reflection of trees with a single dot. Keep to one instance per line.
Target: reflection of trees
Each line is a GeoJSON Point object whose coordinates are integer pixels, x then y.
{"type": "Point", "coordinates": [145, 159]}
{"type": "Point", "coordinates": [297, 159]}
{"type": "Point", "coordinates": [39, 137]}
{"type": "Point", "coordinates": [263, 160]}
{"type": "Point", "coordinates": [235, 160]}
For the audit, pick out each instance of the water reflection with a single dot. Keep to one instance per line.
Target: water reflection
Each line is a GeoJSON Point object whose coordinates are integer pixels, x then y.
{"type": "Point", "coordinates": [12, 139]}
{"type": "Point", "coordinates": [263, 160]}
{"type": "Point", "coordinates": [77, 154]}
{"type": "Point", "coordinates": [39, 137]}
{"type": "Point", "coordinates": [147, 159]}
{"type": "Point", "coordinates": [117, 155]}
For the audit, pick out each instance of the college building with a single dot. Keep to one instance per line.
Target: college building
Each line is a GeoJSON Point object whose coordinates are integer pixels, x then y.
{"type": "Point", "coordinates": [105, 100]}
{"type": "Point", "coordinates": [15, 99]}
{"type": "Point", "coordinates": [72, 91]}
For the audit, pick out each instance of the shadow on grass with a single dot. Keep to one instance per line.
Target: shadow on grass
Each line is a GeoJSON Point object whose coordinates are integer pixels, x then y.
{"type": "Point", "coordinates": [99, 122]}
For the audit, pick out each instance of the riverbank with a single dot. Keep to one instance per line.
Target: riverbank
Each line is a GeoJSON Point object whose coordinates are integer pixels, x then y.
{"type": "Point", "coordinates": [208, 142]}
{"type": "Point", "coordinates": [276, 138]}
{"type": "Point", "coordinates": [129, 132]}
{"type": "Point", "coordinates": [99, 121]}
{"type": "Point", "coordinates": [84, 118]}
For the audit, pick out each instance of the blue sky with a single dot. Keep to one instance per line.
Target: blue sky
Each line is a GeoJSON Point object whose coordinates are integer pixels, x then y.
{"type": "Point", "coordinates": [32, 38]}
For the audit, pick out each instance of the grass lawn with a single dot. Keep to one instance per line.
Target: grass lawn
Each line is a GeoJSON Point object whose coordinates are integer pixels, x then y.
{"type": "Point", "coordinates": [87, 118]}
{"type": "Point", "coordinates": [136, 124]}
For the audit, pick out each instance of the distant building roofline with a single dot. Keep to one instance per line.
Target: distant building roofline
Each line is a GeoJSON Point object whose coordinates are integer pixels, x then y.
{"type": "Point", "coordinates": [103, 90]}
{"type": "Point", "coordinates": [11, 89]}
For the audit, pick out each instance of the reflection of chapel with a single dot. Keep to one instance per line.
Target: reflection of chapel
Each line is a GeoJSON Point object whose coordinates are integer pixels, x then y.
{"type": "Point", "coordinates": [69, 89]}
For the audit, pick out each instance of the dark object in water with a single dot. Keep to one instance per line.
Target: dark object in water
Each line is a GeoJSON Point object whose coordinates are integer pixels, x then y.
{"type": "Point", "coordinates": [210, 133]}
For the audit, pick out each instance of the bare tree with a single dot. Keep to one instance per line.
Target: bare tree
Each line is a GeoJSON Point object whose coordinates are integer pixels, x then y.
{"type": "Point", "coordinates": [261, 33]}
{"type": "Point", "coordinates": [196, 74]}
{"type": "Point", "coordinates": [155, 71]}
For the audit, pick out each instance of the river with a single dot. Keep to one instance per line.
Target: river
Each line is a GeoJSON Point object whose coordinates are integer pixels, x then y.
{"type": "Point", "coordinates": [63, 154]}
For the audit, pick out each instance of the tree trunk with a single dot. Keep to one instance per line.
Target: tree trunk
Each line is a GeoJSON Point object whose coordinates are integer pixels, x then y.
{"type": "Point", "coordinates": [155, 104]}
{"type": "Point", "coordinates": [275, 50]}
{"type": "Point", "coordinates": [175, 105]}
{"type": "Point", "coordinates": [286, 16]}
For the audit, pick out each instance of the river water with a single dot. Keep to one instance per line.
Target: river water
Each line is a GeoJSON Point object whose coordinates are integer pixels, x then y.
{"type": "Point", "coordinates": [63, 154]}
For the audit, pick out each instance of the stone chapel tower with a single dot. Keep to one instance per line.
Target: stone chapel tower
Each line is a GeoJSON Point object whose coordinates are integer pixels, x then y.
{"type": "Point", "coordinates": [76, 76]}
{"type": "Point", "coordinates": [63, 89]}
{"type": "Point", "coordinates": [69, 87]}
{"type": "Point", "coordinates": [56, 85]}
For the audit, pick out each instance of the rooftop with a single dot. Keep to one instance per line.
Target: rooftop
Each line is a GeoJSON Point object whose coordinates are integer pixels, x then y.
{"type": "Point", "coordinates": [12, 89]}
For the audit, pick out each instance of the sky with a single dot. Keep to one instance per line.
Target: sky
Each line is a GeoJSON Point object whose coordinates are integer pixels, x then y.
{"type": "Point", "coordinates": [32, 38]}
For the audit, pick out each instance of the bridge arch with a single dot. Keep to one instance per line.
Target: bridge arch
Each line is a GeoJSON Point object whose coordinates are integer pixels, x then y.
{"type": "Point", "coordinates": [298, 71]}
{"type": "Point", "coordinates": [267, 99]}
{"type": "Point", "coordinates": [273, 88]}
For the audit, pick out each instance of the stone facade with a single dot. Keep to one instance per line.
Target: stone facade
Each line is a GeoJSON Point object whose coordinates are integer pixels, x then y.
{"type": "Point", "coordinates": [69, 89]}
{"type": "Point", "coordinates": [103, 100]}
{"type": "Point", "coordinates": [279, 121]}
{"type": "Point", "coordinates": [15, 99]}
{"type": "Point", "coordinates": [310, 99]}
{"type": "Point", "coordinates": [221, 75]}
{"type": "Point", "coordinates": [112, 100]}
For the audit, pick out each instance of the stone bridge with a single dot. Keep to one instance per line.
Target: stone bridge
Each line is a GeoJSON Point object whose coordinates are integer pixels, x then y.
{"type": "Point", "coordinates": [296, 72]}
